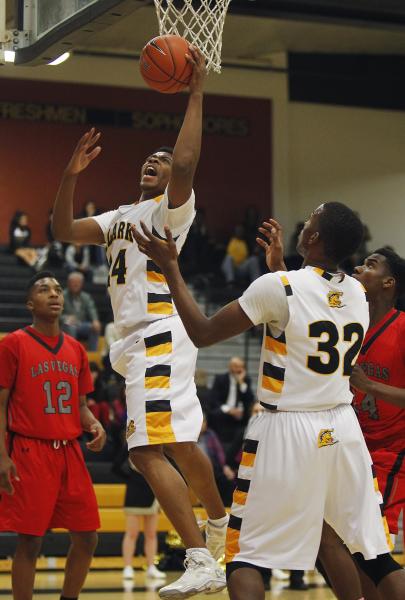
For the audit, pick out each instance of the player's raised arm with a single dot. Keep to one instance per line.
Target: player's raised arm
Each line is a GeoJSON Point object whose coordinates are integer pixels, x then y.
{"type": "Point", "coordinates": [64, 227]}
{"type": "Point", "coordinates": [187, 149]}
{"type": "Point", "coordinates": [202, 330]}
{"type": "Point", "coordinates": [7, 467]}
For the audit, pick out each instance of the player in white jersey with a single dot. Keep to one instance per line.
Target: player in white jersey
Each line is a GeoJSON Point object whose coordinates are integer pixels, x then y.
{"type": "Point", "coordinates": [154, 353]}
{"type": "Point", "coordinates": [304, 458]}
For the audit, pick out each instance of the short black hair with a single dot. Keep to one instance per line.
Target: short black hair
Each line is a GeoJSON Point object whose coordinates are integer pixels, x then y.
{"type": "Point", "coordinates": [396, 266]}
{"type": "Point", "coordinates": [167, 149]}
{"type": "Point", "coordinates": [341, 230]}
{"type": "Point", "coordinates": [37, 277]}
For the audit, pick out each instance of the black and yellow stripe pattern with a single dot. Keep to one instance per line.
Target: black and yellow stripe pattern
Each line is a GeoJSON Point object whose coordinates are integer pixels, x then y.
{"type": "Point", "coordinates": [383, 517]}
{"type": "Point", "coordinates": [157, 377]}
{"type": "Point", "coordinates": [323, 273]}
{"type": "Point", "coordinates": [158, 411]}
{"type": "Point", "coordinates": [154, 273]}
{"type": "Point", "coordinates": [273, 378]}
{"type": "Point", "coordinates": [273, 344]}
{"type": "Point", "coordinates": [240, 496]}
{"type": "Point", "coordinates": [286, 284]}
{"type": "Point", "coordinates": [159, 344]}
{"type": "Point", "coordinates": [160, 304]}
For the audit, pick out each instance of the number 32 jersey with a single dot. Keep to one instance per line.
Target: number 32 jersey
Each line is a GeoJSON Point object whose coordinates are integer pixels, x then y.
{"type": "Point", "coordinates": [383, 359]}
{"type": "Point", "coordinates": [45, 376]}
{"type": "Point", "coordinates": [315, 323]}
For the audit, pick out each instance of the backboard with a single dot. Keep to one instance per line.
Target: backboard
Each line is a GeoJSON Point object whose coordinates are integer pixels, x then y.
{"type": "Point", "coordinates": [42, 30]}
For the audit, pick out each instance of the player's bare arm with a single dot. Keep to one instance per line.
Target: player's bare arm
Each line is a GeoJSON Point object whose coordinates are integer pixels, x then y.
{"type": "Point", "coordinates": [388, 393]}
{"type": "Point", "coordinates": [274, 246]}
{"type": "Point", "coordinates": [202, 330]}
{"type": "Point", "coordinates": [64, 227]}
{"type": "Point", "coordinates": [186, 152]}
{"type": "Point", "coordinates": [8, 470]}
{"type": "Point", "coordinates": [90, 424]}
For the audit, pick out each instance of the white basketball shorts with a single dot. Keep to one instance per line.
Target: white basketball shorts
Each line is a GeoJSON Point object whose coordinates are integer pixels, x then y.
{"type": "Point", "coordinates": [158, 364]}
{"type": "Point", "coordinates": [297, 469]}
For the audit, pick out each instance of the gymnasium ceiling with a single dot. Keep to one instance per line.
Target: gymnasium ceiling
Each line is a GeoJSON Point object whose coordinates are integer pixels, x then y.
{"type": "Point", "coordinates": [256, 30]}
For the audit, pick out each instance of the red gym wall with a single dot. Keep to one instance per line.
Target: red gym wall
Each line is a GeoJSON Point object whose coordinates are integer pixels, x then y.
{"type": "Point", "coordinates": [40, 123]}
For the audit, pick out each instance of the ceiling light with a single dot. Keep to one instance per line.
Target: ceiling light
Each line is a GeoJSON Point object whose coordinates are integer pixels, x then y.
{"type": "Point", "coordinates": [60, 59]}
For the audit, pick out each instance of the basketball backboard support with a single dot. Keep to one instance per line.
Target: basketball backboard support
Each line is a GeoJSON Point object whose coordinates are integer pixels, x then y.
{"type": "Point", "coordinates": [47, 29]}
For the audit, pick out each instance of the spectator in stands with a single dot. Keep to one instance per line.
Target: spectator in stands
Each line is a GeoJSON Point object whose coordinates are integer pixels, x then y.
{"type": "Point", "coordinates": [54, 255]}
{"type": "Point", "coordinates": [77, 258]}
{"type": "Point", "coordinates": [224, 475]}
{"type": "Point", "coordinates": [20, 239]}
{"type": "Point", "coordinates": [97, 253]}
{"type": "Point", "coordinates": [140, 502]}
{"type": "Point", "coordinates": [238, 264]}
{"type": "Point", "coordinates": [251, 223]}
{"type": "Point", "coordinates": [80, 317]}
{"type": "Point", "coordinates": [199, 255]}
{"type": "Point", "coordinates": [230, 401]}
{"type": "Point", "coordinates": [97, 400]}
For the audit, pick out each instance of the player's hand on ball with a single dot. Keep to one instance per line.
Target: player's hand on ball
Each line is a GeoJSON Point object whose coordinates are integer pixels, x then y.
{"type": "Point", "coordinates": [197, 59]}
{"type": "Point", "coordinates": [8, 472]}
{"type": "Point", "coordinates": [162, 252]}
{"type": "Point", "coordinates": [359, 379]}
{"type": "Point", "coordinates": [84, 153]}
{"type": "Point", "coordinates": [99, 438]}
{"type": "Point", "coordinates": [274, 246]}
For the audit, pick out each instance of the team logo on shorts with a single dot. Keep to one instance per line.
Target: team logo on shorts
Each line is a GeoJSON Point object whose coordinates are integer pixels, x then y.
{"type": "Point", "coordinates": [334, 299]}
{"type": "Point", "coordinates": [131, 428]}
{"type": "Point", "coordinates": [326, 438]}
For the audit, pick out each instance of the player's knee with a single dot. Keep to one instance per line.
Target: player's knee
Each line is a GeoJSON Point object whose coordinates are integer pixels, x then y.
{"type": "Point", "coordinates": [29, 546]}
{"type": "Point", "coordinates": [377, 568]}
{"type": "Point", "coordinates": [85, 541]}
{"type": "Point", "coordinates": [329, 541]}
{"type": "Point", "coordinates": [143, 457]}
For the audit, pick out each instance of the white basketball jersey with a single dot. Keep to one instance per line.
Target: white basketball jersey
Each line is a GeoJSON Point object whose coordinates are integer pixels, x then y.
{"type": "Point", "coordinates": [137, 287]}
{"type": "Point", "coordinates": [308, 366]}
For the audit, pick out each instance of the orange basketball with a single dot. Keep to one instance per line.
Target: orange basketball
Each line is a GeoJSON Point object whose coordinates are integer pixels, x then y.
{"type": "Point", "coordinates": [163, 64]}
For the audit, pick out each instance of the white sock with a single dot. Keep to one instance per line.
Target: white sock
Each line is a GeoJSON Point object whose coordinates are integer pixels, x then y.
{"type": "Point", "coordinates": [219, 522]}
{"type": "Point", "coordinates": [203, 550]}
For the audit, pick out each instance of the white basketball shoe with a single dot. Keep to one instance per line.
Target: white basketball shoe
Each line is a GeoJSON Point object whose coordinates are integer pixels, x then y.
{"type": "Point", "coordinates": [202, 576]}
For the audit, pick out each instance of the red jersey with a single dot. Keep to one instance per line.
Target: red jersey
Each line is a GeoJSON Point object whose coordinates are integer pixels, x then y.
{"type": "Point", "coordinates": [45, 376]}
{"type": "Point", "coordinates": [382, 358]}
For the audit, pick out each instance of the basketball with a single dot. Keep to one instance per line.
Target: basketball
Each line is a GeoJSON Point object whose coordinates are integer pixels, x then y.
{"type": "Point", "coordinates": [163, 64]}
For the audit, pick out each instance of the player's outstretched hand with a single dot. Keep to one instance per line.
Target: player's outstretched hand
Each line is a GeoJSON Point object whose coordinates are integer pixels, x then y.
{"type": "Point", "coordinates": [99, 438]}
{"type": "Point", "coordinates": [197, 59]}
{"type": "Point", "coordinates": [162, 252]}
{"type": "Point", "coordinates": [359, 379]}
{"type": "Point", "coordinates": [8, 472]}
{"type": "Point", "coordinates": [274, 246]}
{"type": "Point", "coordinates": [84, 153]}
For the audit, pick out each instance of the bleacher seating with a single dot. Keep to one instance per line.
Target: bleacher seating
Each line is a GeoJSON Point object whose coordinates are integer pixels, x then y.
{"type": "Point", "coordinates": [13, 281]}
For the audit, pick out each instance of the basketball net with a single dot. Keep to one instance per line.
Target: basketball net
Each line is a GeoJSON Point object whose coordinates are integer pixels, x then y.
{"type": "Point", "coordinates": [202, 26]}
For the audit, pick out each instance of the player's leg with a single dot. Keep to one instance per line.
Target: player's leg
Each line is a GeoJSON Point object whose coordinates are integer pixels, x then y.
{"type": "Point", "coordinates": [353, 506]}
{"type": "Point", "coordinates": [245, 582]}
{"type": "Point", "coordinates": [199, 474]}
{"type": "Point", "coordinates": [339, 566]}
{"type": "Point", "coordinates": [129, 542]}
{"type": "Point", "coordinates": [23, 567]}
{"type": "Point", "coordinates": [170, 490]}
{"type": "Point", "coordinates": [81, 551]}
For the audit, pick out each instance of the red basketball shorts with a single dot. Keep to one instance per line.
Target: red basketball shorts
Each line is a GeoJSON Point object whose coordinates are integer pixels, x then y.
{"type": "Point", "coordinates": [389, 468]}
{"type": "Point", "coordinates": [55, 489]}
